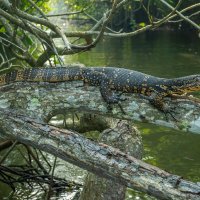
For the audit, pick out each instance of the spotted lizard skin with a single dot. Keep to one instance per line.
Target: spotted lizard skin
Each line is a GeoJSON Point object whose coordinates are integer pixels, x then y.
{"type": "Point", "coordinates": [110, 79]}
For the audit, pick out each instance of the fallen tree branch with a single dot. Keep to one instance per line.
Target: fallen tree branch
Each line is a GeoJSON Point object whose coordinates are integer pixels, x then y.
{"type": "Point", "coordinates": [45, 100]}
{"type": "Point", "coordinates": [100, 159]}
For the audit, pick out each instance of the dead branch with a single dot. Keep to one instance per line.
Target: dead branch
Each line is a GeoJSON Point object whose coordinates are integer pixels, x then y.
{"type": "Point", "coordinates": [100, 159]}
{"type": "Point", "coordinates": [26, 174]}
{"type": "Point", "coordinates": [30, 172]}
{"type": "Point", "coordinates": [130, 34]}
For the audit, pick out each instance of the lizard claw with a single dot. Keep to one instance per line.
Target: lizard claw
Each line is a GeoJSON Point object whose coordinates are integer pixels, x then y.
{"type": "Point", "coordinates": [157, 101]}
{"type": "Point", "coordinates": [170, 112]}
{"type": "Point", "coordinates": [121, 108]}
{"type": "Point", "coordinates": [109, 107]}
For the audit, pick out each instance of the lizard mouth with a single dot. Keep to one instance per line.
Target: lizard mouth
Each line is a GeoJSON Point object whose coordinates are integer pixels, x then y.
{"type": "Point", "coordinates": [193, 89]}
{"type": "Point", "coordinates": [184, 90]}
{"type": "Point", "coordinates": [189, 88]}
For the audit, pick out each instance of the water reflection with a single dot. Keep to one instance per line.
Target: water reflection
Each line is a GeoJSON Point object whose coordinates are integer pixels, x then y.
{"type": "Point", "coordinates": [173, 151]}
{"type": "Point", "coordinates": [161, 54]}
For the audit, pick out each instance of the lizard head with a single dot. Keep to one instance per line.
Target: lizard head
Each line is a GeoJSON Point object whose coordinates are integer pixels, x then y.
{"type": "Point", "coordinates": [192, 83]}
{"type": "Point", "coordinates": [183, 85]}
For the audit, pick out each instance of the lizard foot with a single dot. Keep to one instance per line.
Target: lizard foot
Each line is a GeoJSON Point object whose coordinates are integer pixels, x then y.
{"type": "Point", "coordinates": [109, 107]}
{"type": "Point", "coordinates": [170, 112]}
{"type": "Point", "coordinates": [158, 102]}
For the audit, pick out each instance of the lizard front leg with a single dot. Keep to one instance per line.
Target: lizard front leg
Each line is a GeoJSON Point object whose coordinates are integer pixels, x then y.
{"type": "Point", "coordinates": [108, 94]}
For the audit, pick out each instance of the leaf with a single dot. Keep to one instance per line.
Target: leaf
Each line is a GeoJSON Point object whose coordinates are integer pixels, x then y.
{"type": "Point", "coordinates": [142, 24]}
{"type": "Point", "coordinates": [2, 29]}
{"type": "Point", "coordinates": [27, 40]}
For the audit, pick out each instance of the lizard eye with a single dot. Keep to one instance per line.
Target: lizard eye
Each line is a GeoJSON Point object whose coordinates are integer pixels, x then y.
{"type": "Point", "coordinates": [197, 79]}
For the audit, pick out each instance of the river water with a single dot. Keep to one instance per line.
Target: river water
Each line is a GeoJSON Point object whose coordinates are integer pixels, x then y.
{"type": "Point", "coordinates": [164, 54]}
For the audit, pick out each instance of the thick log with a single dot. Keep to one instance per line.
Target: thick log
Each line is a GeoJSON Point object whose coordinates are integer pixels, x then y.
{"type": "Point", "coordinates": [43, 100]}
{"type": "Point", "coordinates": [100, 159]}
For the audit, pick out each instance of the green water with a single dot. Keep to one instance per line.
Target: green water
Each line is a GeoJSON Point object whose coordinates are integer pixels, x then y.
{"type": "Point", "coordinates": [164, 54]}
{"type": "Point", "coordinates": [161, 54]}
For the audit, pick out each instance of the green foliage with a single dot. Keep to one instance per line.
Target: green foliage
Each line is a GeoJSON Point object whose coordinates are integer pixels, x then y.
{"type": "Point", "coordinates": [42, 4]}
{"type": "Point", "coordinates": [96, 8]}
{"type": "Point", "coordinates": [133, 24]}
{"type": "Point", "coordinates": [78, 4]}
{"type": "Point", "coordinates": [27, 40]}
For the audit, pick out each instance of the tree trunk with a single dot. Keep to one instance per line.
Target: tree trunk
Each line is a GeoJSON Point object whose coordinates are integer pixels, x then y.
{"type": "Point", "coordinates": [128, 140]}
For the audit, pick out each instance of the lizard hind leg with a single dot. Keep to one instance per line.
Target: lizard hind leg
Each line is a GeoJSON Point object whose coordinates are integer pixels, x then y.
{"type": "Point", "coordinates": [109, 96]}
{"type": "Point", "coordinates": [157, 101]}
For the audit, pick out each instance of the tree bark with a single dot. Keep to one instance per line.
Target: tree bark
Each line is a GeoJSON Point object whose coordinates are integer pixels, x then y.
{"type": "Point", "coordinates": [100, 159]}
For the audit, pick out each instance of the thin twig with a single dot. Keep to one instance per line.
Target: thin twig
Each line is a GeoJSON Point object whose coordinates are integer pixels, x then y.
{"type": "Point", "coordinates": [169, 15]}
{"type": "Point", "coordinates": [35, 159]}
{"type": "Point", "coordinates": [180, 20]}
{"type": "Point", "coordinates": [51, 180]}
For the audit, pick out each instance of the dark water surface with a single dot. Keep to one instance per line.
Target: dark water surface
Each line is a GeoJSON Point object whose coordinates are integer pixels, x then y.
{"type": "Point", "coordinates": [164, 54]}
